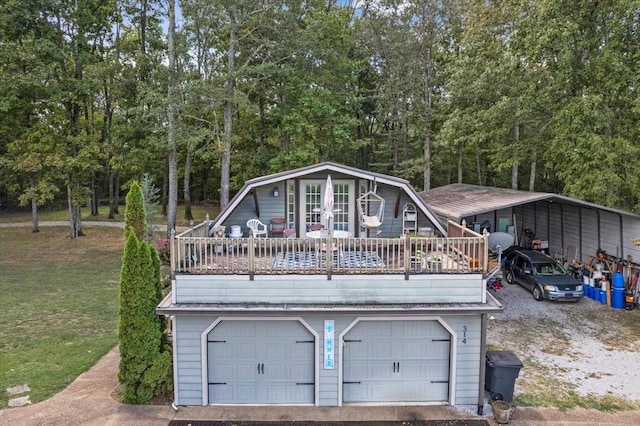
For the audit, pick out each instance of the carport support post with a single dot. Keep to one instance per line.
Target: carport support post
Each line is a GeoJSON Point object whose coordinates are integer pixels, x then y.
{"type": "Point", "coordinates": [483, 355]}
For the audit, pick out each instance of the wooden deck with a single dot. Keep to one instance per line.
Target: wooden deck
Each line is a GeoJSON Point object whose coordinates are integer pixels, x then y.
{"type": "Point", "coordinates": [269, 256]}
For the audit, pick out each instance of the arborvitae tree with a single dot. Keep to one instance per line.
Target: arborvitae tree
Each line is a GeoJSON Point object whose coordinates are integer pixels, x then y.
{"type": "Point", "coordinates": [145, 359]}
{"type": "Point", "coordinates": [157, 266]}
{"type": "Point", "coordinates": [134, 215]}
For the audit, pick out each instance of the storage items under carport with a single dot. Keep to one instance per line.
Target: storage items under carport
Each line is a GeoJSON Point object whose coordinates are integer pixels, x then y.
{"type": "Point", "coordinates": [609, 280]}
{"type": "Point", "coordinates": [503, 367]}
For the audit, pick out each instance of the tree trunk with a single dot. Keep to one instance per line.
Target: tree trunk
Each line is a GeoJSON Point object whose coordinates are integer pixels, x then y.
{"type": "Point", "coordinates": [481, 175]}
{"type": "Point", "coordinates": [95, 196]}
{"type": "Point", "coordinates": [116, 195]}
{"type": "Point", "coordinates": [514, 168]}
{"type": "Point", "coordinates": [165, 193]}
{"type": "Point", "coordinates": [111, 192]}
{"type": "Point", "coordinates": [460, 151]}
{"type": "Point", "coordinates": [34, 212]}
{"type": "Point", "coordinates": [534, 166]}
{"type": "Point", "coordinates": [188, 215]}
{"type": "Point", "coordinates": [427, 119]}
{"type": "Point", "coordinates": [225, 169]}
{"type": "Point", "coordinates": [75, 223]}
{"type": "Point", "coordinates": [171, 125]}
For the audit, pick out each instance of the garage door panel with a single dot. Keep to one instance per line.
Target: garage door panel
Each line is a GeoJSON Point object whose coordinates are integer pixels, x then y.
{"type": "Point", "coordinates": [380, 350]}
{"type": "Point", "coordinates": [223, 393]}
{"type": "Point", "coordinates": [411, 370]}
{"type": "Point", "coordinates": [263, 362]}
{"type": "Point", "coordinates": [246, 371]}
{"type": "Point", "coordinates": [221, 350]}
{"type": "Point", "coordinates": [276, 371]}
{"type": "Point", "coordinates": [413, 349]}
{"type": "Point", "coordinates": [410, 365]}
{"type": "Point", "coordinates": [356, 392]}
{"type": "Point", "coordinates": [437, 391]}
{"type": "Point", "coordinates": [379, 370]}
{"type": "Point", "coordinates": [221, 372]}
{"type": "Point", "coordinates": [276, 350]}
{"type": "Point", "coordinates": [246, 393]}
{"type": "Point", "coordinates": [355, 370]}
{"type": "Point", "coordinates": [300, 372]}
{"type": "Point", "coordinates": [439, 350]}
{"type": "Point", "coordinates": [245, 350]}
{"type": "Point", "coordinates": [302, 394]}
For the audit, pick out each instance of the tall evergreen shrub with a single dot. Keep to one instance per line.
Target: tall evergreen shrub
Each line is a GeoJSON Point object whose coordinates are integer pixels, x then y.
{"type": "Point", "coordinates": [134, 214]}
{"type": "Point", "coordinates": [145, 359]}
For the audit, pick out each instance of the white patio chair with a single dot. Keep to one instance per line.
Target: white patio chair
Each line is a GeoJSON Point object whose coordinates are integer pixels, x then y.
{"type": "Point", "coordinates": [258, 228]}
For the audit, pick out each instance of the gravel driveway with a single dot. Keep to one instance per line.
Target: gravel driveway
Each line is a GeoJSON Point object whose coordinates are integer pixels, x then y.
{"type": "Point", "coordinates": [584, 350]}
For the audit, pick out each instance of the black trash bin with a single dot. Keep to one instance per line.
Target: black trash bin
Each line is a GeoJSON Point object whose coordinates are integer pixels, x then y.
{"type": "Point", "coordinates": [503, 367]}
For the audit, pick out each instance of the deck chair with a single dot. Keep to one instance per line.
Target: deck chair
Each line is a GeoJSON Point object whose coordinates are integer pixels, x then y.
{"type": "Point", "coordinates": [257, 228]}
{"type": "Point", "coordinates": [316, 227]}
{"type": "Point", "coordinates": [289, 233]}
{"type": "Point", "coordinates": [277, 226]}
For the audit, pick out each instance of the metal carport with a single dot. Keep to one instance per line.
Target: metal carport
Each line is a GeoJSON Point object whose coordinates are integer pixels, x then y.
{"type": "Point", "coordinates": [568, 224]}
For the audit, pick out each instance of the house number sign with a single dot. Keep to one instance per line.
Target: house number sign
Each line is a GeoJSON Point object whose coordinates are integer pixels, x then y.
{"type": "Point", "coordinates": [329, 331]}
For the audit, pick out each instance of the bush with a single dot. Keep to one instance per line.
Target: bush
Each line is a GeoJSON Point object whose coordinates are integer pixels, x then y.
{"type": "Point", "coordinates": [163, 246]}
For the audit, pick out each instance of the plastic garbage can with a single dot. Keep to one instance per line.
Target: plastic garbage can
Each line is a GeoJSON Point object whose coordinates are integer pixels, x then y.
{"type": "Point", "coordinates": [503, 367]}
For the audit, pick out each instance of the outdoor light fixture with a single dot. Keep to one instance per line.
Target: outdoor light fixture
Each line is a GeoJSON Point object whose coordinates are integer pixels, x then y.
{"type": "Point", "coordinates": [276, 191]}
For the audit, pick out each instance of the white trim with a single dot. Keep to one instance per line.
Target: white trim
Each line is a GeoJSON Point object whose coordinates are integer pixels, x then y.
{"type": "Point", "coordinates": [453, 351]}
{"type": "Point", "coordinates": [204, 360]}
{"type": "Point", "coordinates": [301, 207]}
{"type": "Point", "coordinates": [331, 167]}
{"type": "Point", "coordinates": [174, 354]}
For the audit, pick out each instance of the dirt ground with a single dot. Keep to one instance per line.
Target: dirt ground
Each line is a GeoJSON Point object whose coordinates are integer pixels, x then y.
{"type": "Point", "coordinates": [585, 353]}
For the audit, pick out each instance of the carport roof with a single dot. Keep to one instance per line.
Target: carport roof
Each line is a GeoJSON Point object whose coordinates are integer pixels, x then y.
{"type": "Point", "coordinates": [460, 200]}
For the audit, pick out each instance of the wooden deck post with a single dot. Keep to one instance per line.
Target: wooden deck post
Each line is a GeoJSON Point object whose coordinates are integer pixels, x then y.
{"type": "Point", "coordinates": [251, 256]}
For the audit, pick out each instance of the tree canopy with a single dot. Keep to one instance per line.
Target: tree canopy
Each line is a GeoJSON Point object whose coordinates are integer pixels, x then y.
{"type": "Point", "coordinates": [530, 95]}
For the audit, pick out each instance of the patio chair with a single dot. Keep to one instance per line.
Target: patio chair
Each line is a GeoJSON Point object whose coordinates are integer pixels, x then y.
{"type": "Point", "coordinates": [289, 233]}
{"type": "Point", "coordinates": [316, 227]}
{"type": "Point", "coordinates": [277, 226]}
{"type": "Point", "coordinates": [257, 228]}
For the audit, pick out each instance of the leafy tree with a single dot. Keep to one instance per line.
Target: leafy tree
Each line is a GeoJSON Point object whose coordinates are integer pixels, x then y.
{"type": "Point", "coordinates": [150, 195]}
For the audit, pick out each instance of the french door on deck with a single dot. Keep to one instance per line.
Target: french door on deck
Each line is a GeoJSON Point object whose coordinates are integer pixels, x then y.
{"type": "Point", "coordinates": [312, 202]}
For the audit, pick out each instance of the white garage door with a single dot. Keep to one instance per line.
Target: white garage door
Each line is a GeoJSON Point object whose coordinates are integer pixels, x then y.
{"type": "Point", "coordinates": [260, 362]}
{"type": "Point", "coordinates": [396, 361]}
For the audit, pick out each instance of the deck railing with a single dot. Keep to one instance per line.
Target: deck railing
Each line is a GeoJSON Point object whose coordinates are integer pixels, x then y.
{"type": "Point", "coordinates": [193, 253]}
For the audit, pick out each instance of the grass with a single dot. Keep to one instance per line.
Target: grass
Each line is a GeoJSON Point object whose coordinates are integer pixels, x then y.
{"type": "Point", "coordinates": [59, 306]}
{"type": "Point", "coordinates": [199, 214]}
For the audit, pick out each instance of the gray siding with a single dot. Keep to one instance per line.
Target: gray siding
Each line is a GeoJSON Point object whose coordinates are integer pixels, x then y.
{"type": "Point", "coordinates": [631, 230]}
{"type": "Point", "coordinates": [589, 232]}
{"type": "Point", "coordinates": [431, 288]}
{"type": "Point", "coordinates": [468, 356]}
{"type": "Point", "coordinates": [272, 207]}
{"type": "Point", "coordinates": [556, 237]}
{"type": "Point", "coordinates": [186, 344]}
{"type": "Point", "coordinates": [189, 329]}
{"type": "Point", "coordinates": [586, 230]}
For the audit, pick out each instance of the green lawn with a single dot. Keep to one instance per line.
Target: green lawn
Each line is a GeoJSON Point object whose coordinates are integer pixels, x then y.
{"type": "Point", "coordinates": [199, 213]}
{"type": "Point", "coordinates": [58, 305]}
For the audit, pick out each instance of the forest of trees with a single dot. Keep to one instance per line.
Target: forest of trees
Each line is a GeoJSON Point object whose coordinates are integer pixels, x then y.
{"type": "Point", "coordinates": [201, 95]}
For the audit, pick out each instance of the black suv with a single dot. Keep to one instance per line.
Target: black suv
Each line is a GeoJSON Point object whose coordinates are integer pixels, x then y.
{"type": "Point", "coordinates": [541, 275]}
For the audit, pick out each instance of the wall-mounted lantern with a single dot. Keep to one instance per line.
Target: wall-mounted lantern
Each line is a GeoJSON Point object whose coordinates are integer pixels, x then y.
{"type": "Point", "coordinates": [276, 191]}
